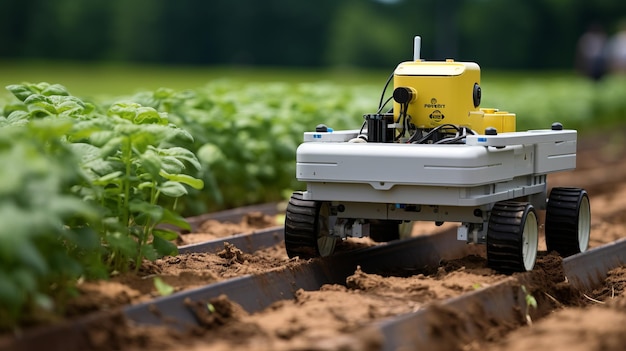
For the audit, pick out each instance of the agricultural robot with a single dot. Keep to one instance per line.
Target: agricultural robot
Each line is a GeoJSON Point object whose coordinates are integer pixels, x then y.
{"type": "Point", "coordinates": [437, 156]}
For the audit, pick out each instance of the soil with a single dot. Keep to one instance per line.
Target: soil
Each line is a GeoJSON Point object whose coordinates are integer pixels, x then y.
{"type": "Point", "coordinates": [337, 316]}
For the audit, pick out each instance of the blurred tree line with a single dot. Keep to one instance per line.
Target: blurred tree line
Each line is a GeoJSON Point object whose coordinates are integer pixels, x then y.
{"type": "Point", "coordinates": [520, 34]}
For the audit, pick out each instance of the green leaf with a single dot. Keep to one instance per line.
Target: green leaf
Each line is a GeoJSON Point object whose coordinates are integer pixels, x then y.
{"type": "Point", "coordinates": [172, 165]}
{"type": "Point", "coordinates": [50, 129]}
{"type": "Point", "coordinates": [162, 287]}
{"type": "Point", "coordinates": [150, 252]}
{"type": "Point", "coordinates": [155, 212]}
{"type": "Point", "coordinates": [210, 154]}
{"type": "Point", "coordinates": [55, 89]}
{"type": "Point", "coordinates": [101, 167]}
{"type": "Point", "coordinates": [165, 234]}
{"type": "Point", "coordinates": [86, 152]}
{"type": "Point", "coordinates": [173, 218]}
{"type": "Point", "coordinates": [17, 116]}
{"type": "Point", "coordinates": [70, 206]}
{"type": "Point", "coordinates": [125, 110]}
{"type": "Point", "coordinates": [40, 103]}
{"type": "Point", "coordinates": [164, 247]}
{"type": "Point", "coordinates": [148, 115]}
{"type": "Point", "coordinates": [145, 185]}
{"type": "Point", "coordinates": [121, 242]}
{"type": "Point", "coordinates": [182, 154]}
{"type": "Point", "coordinates": [141, 137]}
{"type": "Point", "coordinates": [151, 163]}
{"type": "Point", "coordinates": [172, 189]}
{"type": "Point", "coordinates": [20, 91]}
{"type": "Point", "coordinates": [98, 137]}
{"type": "Point", "coordinates": [163, 93]}
{"type": "Point", "coordinates": [185, 179]}
{"type": "Point", "coordinates": [85, 238]}
{"type": "Point", "coordinates": [106, 179]}
{"type": "Point", "coordinates": [111, 147]}
{"type": "Point", "coordinates": [531, 301]}
{"type": "Point", "coordinates": [182, 134]}
{"type": "Point", "coordinates": [69, 108]}
{"type": "Point", "coordinates": [88, 107]}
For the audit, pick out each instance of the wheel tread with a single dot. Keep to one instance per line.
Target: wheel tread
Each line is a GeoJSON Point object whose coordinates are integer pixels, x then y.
{"type": "Point", "coordinates": [504, 239]}
{"type": "Point", "coordinates": [300, 225]}
{"type": "Point", "coordinates": [562, 213]}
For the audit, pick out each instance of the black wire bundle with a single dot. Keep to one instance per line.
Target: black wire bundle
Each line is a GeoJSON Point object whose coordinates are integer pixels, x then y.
{"type": "Point", "coordinates": [381, 105]}
{"type": "Point", "coordinates": [460, 134]}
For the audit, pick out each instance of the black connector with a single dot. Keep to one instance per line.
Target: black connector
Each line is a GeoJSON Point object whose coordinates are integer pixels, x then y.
{"type": "Point", "coordinates": [477, 95]}
{"type": "Point", "coordinates": [321, 128]}
{"type": "Point", "coordinates": [403, 95]}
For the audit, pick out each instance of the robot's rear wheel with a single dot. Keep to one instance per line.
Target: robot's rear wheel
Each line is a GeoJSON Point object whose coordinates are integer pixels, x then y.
{"type": "Point", "coordinates": [512, 237]}
{"type": "Point", "coordinates": [307, 228]}
{"type": "Point", "coordinates": [568, 221]}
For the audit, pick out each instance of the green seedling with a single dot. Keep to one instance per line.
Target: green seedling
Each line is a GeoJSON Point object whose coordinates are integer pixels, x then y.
{"type": "Point", "coordinates": [162, 287]}
{"type": "Point", "coordinates": [530, 302]}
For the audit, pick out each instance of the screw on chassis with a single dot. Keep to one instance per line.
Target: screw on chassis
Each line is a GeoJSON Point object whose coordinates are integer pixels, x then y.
{"type": "Point", "coordinates": [436, 155]}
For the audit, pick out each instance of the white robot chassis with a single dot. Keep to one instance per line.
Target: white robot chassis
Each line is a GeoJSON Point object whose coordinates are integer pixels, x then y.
{"type": "Point", "coordinates": [401, 167]}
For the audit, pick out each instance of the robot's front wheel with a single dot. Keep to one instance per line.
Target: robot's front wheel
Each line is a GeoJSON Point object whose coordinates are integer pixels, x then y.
{"type": "Point", "coordinates": [307, 228]}
{"type": "Point", "coordinates": [512, 237]}
{"type": "Point", "coordinates": [568, 221]}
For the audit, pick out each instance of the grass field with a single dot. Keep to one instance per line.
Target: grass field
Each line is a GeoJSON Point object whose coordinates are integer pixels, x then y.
{"type": "Point", "coordinates": [92, 79]}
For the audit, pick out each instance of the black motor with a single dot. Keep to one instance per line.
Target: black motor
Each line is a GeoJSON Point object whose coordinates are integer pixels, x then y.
{"type": "Point", "coordinates": [380, 128]}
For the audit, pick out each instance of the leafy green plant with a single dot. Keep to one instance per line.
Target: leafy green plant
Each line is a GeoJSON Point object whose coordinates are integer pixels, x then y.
{"type": "Point", "coordinates": [46, 241]}
{"type": "Point", "coordinates": [84, 191]}
{"type": "Point", "coordinates": [133, 165]}
{"type": "Point", "coordinates": [131, 158]}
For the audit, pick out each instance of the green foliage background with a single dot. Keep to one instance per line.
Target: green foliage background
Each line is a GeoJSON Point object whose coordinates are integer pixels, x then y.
{"type": "Point", "coordinates": [519, 34]}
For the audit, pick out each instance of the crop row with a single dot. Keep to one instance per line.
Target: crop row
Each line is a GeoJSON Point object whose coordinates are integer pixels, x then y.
{"type": "Point", "coordinates": [84, 190]}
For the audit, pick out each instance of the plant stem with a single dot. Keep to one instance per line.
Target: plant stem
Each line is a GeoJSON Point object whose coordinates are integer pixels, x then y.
{"type": "Point", "coordinates": [127, 159]}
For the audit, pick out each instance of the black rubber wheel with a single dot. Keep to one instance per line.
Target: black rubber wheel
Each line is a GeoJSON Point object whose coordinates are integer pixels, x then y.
{"type": "Point", "coordinates": [384, 230]}
{"type": "Point", "coordinates": [512, 237]}
{"type": "Point", "coordinates": [568, 221]}
{"type": "Point", "coordinates": [307, 228]}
